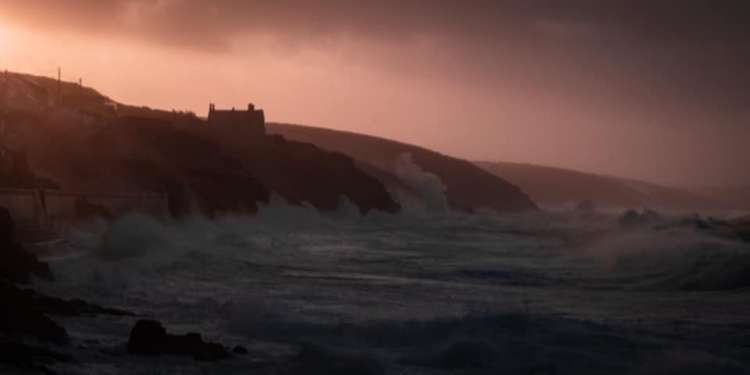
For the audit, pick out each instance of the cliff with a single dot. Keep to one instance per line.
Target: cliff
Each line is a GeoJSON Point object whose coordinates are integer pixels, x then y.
{"type": "Point", "coordinates": [467, 187]}
{"type": "Point", "coordinates": [15, 172]}
{"type": "Point", "coordinates": [87, 142]}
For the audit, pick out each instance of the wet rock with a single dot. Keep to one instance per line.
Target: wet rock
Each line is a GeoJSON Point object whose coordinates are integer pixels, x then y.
{"type": "Point", "coordinates": [24, 358]}
{"type": "Point", "coordinates": [24, 312]}
{"type": "Point", "coordinates": [74, 307]}
{"type": "Point", "coordinates": [21, 316]}
{"type": "Point", "coordinates": [149, 337]}
{"type": "Point", "coordinates": [16, 264]}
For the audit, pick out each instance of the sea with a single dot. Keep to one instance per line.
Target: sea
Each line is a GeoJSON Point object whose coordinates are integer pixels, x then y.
{"type": "Point", "coordinates": [424, 291]}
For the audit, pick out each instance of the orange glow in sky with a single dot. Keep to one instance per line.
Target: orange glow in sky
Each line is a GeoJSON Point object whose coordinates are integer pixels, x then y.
{"type": "Point", "coordinates": [419, 90]}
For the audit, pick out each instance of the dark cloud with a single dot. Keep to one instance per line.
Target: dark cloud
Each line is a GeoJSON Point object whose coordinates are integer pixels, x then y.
{"type": "Point", "coordinates": [665, 20]}
{"type": "Point", "coordinates": [679, 51]}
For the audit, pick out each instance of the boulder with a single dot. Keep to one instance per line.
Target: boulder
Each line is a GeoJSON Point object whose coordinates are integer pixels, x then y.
{"type": "Point", "coordinates": [149, 337]}
{"type": "Point", "coordinates": [21, 316]}
{"type": "Point", "coordinates": [24, 311]}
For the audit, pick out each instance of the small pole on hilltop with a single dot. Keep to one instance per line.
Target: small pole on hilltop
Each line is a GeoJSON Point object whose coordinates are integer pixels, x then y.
{"type": "Point", "coordinates": [59, 82]}
{"type": "Point", "coordinates": [4, 109]}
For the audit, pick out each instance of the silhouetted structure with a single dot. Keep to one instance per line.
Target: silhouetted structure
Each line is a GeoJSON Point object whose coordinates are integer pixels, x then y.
{"type": "Point", "coordinates": [250, 121]}
{"type": "Point", "coordinates": [4, 103]}
{"type": "Point", "coordinates": [59, 83]}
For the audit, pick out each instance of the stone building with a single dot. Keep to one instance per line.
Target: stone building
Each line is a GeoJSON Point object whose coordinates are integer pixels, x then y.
{"type": "Point", "coordinates": [251, 121]}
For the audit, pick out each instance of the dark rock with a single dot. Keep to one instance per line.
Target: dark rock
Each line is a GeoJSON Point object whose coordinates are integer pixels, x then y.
{"type": "Point", "coordinates": [74, 307]}
{"type": "Point", "coordinates": [21, 316]}
{"type": "Point", "coordinates": [16, 264]}
{"type": "Point", "coordinates": [303, 173]}
{"type": "Point", "coordinates": [239, 349]}
{"type": "Point", "coordinates": [27, 358]}
{"type": "Point", "coordinates": [24, 311]}
{"type": "Point", "coordinates": [197, 174]}
{"type": "Point", "coordinates": [149, 337]}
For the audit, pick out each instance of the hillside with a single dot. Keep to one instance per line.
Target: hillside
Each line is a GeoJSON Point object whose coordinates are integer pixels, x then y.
{"type": "Point", "coordinates": [84, 141]}
{"type": "Point", "coordinates": [555, 187]}
{"type": "Point", "coordinates": [466, 186]}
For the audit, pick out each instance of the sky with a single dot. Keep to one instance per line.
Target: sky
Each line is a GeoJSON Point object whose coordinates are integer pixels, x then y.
{"type": "Point", "coordinates": [655, 90]}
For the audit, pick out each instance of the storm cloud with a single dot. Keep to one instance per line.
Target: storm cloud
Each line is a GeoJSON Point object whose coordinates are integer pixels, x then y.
{"type": "Point", "coordinates": [676, 65]}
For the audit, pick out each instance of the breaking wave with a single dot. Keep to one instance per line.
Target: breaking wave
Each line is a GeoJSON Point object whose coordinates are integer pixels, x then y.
{"type": "Point", "coordinates": [680, 258]}
{"type": "Point", "coordinates": [442, 292]}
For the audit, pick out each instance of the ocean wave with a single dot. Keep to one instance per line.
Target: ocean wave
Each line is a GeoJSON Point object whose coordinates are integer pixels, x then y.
{"type": "Point", "coordinates": [676, 259]}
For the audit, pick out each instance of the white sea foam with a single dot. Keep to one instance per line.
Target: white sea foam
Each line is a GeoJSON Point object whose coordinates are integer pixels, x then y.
{"type": "Point", "coordinates": [425, 286]}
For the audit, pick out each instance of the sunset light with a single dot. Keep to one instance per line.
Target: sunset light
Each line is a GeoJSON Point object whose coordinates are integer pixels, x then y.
{"type": "Point", "coordinates": [377, 187]}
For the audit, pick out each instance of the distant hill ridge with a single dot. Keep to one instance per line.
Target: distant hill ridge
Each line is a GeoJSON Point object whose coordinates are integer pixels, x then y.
{"type": "Point", "coordinates": [554, 187]}
{"type": "Point", "coordinates": [545, 186]}
{"type": "Point", "coordinates": [467, 187]}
